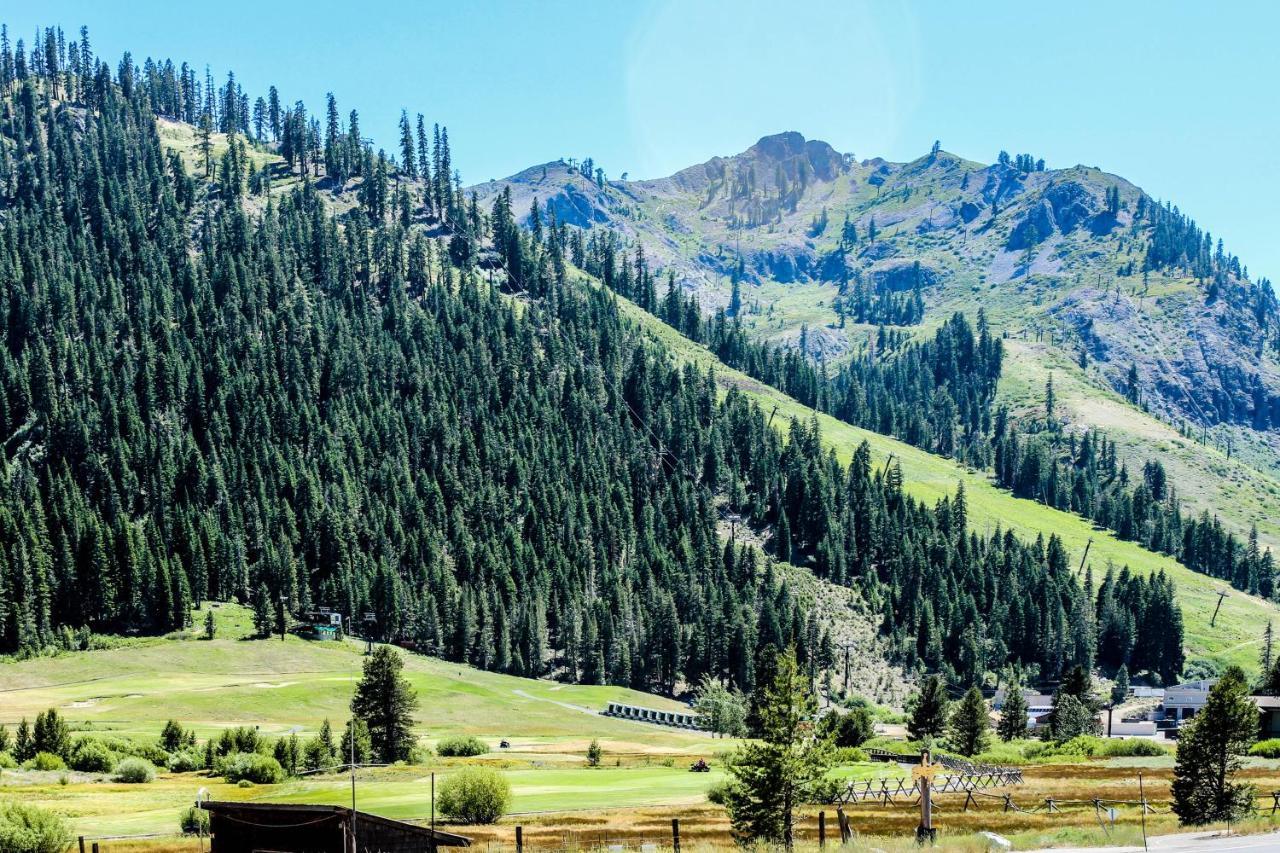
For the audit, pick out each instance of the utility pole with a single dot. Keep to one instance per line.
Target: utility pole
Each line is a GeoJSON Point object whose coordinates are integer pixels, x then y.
{"type": "Point", "coordinates": [352, 767]}
{"type": "Point", "coordinates": [1222, 593]}
{"type": "Point", "coordinates": [1087, 545]}
{"type": "Point", "coordinates": [847, 647]}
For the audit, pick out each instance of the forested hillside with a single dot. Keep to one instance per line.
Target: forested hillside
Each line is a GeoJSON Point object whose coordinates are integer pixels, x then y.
{"type": "Point", "coordinates": [212, 388]}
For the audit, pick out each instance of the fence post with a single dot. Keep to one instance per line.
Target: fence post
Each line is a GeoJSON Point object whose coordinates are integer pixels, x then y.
{"type": "Point", "coordinates": [822, 829]}
{"type": "Point", "coordinates": [95, 847]}
{"type": "Point", "coordinates": [519, 839]}
{"type": "Point", "coordinates": [82, 842]}
{"type": "Point", "coordinates": [675, 834]}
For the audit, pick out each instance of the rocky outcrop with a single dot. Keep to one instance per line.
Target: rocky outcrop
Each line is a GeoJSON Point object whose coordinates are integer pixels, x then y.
{"type": "Point", "coordinates": [904, 275]}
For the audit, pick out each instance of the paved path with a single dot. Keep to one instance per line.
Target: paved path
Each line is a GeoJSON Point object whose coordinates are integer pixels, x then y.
{"type": "Point", "coordinates": [1211, 841]}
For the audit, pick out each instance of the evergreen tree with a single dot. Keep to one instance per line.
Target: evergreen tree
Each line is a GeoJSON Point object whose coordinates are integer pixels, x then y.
{"type": "Point", "coordinates": [1013, 713]}
{"type": "Point", "coordinates": [1210, 752]}
{"type": "Point", "coordinates": [927, 709]}
{"type": "Point", "coordinates": [968, 728]}
{"type": "Point", "coordinates": [772, 776]}
{"type": "Point", "coordinates": [356, 746]}
{"type": "Point", "coordinates": [264, 619]}
{"type": "Point", "coordinates": [385, 702]}
{"type": "Point", "coordinates": [1120, 689]}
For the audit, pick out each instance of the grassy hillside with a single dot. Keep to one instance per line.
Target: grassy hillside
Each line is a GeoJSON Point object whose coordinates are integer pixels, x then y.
{"type": "Point", "coordinates": [1233, 638]}
{"type": "Point", "coordinates": [295, 684]}
{"type": "Point", "coordinates": [1242, 494]}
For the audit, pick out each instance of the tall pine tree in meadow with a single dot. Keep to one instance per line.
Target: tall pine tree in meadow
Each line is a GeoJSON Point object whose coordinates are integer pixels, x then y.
{"type": "Point", "coordinates": [385, 703]}
{"type": "Point", "coordinates": [1211, 749]}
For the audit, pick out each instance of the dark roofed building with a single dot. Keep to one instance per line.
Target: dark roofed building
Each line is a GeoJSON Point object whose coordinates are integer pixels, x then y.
{"type": "Point", "coordinates": [1268, 715]}
{"type": "Point", "coordinates": [290, 828]}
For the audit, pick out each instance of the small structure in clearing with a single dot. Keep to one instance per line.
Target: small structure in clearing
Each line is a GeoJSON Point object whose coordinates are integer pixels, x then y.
{"type": "Point", "coordinates": [295, 828]}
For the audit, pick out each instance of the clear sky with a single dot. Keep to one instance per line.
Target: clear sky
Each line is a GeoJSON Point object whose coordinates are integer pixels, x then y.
{"type": "Point", "coordinates": [1183, 98]}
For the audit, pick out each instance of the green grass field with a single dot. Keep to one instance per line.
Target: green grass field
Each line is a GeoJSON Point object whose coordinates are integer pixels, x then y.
{"type": "Point", "coordinates": [296, 684]}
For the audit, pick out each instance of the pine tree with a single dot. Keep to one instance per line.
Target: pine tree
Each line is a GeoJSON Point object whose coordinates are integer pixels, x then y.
{"type": "Point", "coordinates": [773, 776]}
{"type": "Point", "coordinates": [968, 728]}
{"type": "Point", "coordinates": [263, 617]}
{"type": "Point", "coordinates": [927, 709]}
{"type": "Point", "coordinates": [210, 625]}
{"type": "Point", "coordinates": [594, 753]}
{"type": "Point", "coordinates": [1013, 713]}
{"type": "Point", "coordinates": [357, 745]}
{"type": "Point", "coordinates": [1210, 752]}
{"type": "Point", "coordinates": [385, 702]}
{"type": "Point", "coordinates": [1120, 690]}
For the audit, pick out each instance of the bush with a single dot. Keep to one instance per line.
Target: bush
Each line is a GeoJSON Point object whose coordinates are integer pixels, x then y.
{"type": "Point", "coordinates": [461, 747]}
{"type": "Point", "coordinates": [27, 829]}
{"type": "Point", "coordinates": [826, 790]}
{"type": "Point", "coordinates": [7, 761]}
{"type": "Point", "coordinates": [134, 771]}
{"type": "Point", "coordinates": [194, 821]}
{"type": "Point", "coordinates": [253, 766]}
{"type": "Point", "coordinates": [474, 795]}
{"type": "Point", "coordinates": [850, 755]}
{"type": "Point", "coordinates": [244, 783]}
{"type": "Point", "coordinates": [45, 761]}
{"type": "Point", "coordinates": [91, 756]}
{"type": "Point", "coordinates": [1080, 746]}
{"type": "Point", "coordinates": [186, 761]}
{"type": "Point", "coordinates": [1002, 753]}
{"type": "Point", "coordinates": [1266, 748]}
{"type": "Point", "coordinates": [719, 792]}
{"type": "Point", "coordinates": [1127, 747]}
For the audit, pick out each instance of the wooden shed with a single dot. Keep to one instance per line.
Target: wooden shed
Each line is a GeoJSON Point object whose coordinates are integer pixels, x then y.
{"type": "Point", "coordinates": [291, 828]}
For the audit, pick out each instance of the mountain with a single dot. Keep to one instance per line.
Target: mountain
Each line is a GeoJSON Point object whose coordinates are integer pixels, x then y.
{"type": "Point", "coordinates": [246, 361]}
{"type": "Point", "coordinates": [1164, 341]}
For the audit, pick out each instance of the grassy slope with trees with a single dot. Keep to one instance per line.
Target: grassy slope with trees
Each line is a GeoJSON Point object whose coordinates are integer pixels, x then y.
{"type": "Point", "coordinates": [1077, 286]}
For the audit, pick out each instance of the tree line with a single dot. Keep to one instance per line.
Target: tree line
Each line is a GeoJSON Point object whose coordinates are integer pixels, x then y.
{"type": "Point", "coordinates": [1082, 474]}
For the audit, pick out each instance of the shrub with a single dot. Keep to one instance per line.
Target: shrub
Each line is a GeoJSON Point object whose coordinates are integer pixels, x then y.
{"type": "Point", "coordinates": [850, 755]}
{"type": "Point", "coordinates": [1080, 746]}
{"type": "Point", "coordinates": [186, 761]}
{"type": "Point", "coordinates": [474, 795]}
{"type": "Point", "coordinates": [826, 790]}
{"type": "Point", "coordinates": [461, 747]}
{"type": "Point", "coordinates": [720, 791]}
{"type": "Point", "coordinates": [134, 771]}
{"type": "Point", "coordinates": [7, 761]}
{"type": "Point", "coordinates": [244, 783]}
{"type": "Point", "coordinates": [91, 756]}
{"type": "Point", "coordinates": [45, 761]}
{"type": "Point", "coordinates": [1127, 747]}
{"type": "Point", "coordinates": [253, 766]}
{"type": "Point", "coordinates": [194, 821]}
{"type": "Point", "coordinates": [1002, 753]}
{"type": "Point", "coordinates": [28, 829]}
{"type": "Point", "coordinates": [1266, 748]}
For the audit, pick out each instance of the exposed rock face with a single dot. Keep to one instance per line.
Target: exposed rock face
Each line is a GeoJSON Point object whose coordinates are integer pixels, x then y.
{"type": "Point", "coordinates": [1072, 204]}
{"type": "Point", "coordinates": [573, 206]}
{"type": "Point", "coordinates": [1038, 249]}
{"type": "Point", "coordinates": [904, 275]}
{"type": "Point", "coordinates": [1037, 225]}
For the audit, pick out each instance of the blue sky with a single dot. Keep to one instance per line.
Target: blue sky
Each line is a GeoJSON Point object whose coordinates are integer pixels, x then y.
{"type": "Point", "coordinates": [1179, 97]}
